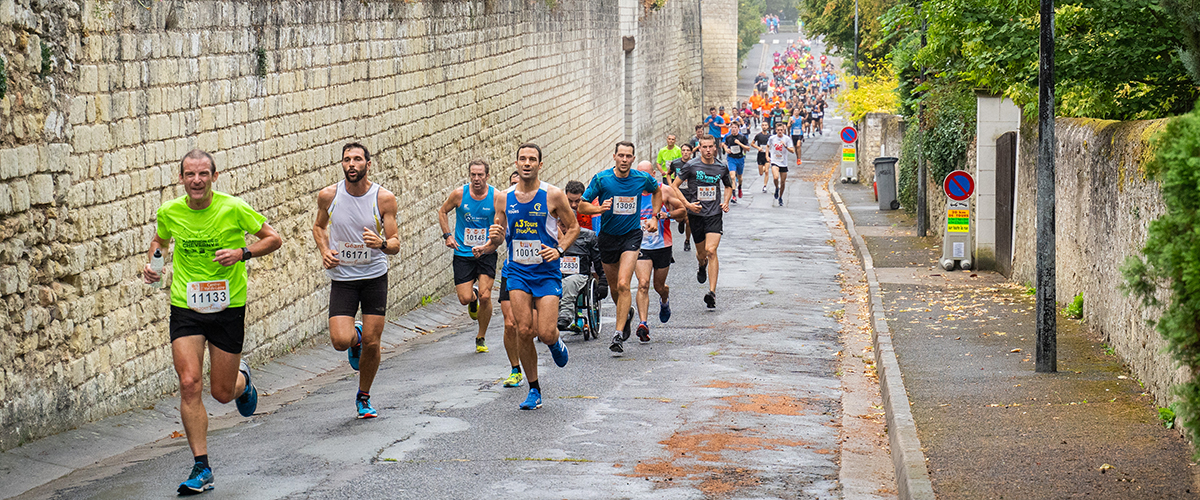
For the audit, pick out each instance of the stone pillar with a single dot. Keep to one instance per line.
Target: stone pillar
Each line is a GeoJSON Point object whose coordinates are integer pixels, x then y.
{"type": "Point", "coordinates": [719, 22]}
{"type": "Point", "coordinates": [995, 116]}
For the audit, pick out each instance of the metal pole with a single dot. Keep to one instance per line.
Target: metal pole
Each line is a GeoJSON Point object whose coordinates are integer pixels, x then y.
{"type": "Point", "coordinates": [1047, 337]}
{"type": "Point", "coordinates": [922, 174]}
{"type": "Point", "coordinates": [855, 44]}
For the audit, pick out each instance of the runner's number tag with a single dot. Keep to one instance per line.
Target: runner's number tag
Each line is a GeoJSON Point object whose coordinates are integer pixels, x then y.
{"type": "Point", "coordinates": [706, 193]}
{"type": "Point", "coordinates": [528, 252]}
{"type": "Point", "coordinates": [569, 265]}
{"type": "Point", "coordinates": [353, 254]}
{"type": "Point", "coordinates": [735, 149]}
{"type": "Point", "coordinates": [208, 297]}
{"type": "Point", "coordinates": [474, 237]}
{"type": "Point", "coordinates": [625, 205]}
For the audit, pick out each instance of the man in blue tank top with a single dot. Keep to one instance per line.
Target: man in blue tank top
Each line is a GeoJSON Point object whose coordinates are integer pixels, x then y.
{"type": "Point", "coordinates": [619, 190]}
{"type": "Point", "coordinates": [474, 254]}
{"type": "Point", "coordinates": [354, 231]}
{"type": "Point", "coordinates": [531, 215]}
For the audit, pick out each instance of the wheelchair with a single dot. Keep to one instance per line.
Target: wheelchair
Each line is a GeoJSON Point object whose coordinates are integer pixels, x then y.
{"type": "Point", "coordinates": [587, 310]}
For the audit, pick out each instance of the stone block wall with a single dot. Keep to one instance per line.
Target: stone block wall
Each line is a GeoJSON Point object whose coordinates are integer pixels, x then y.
{"type": "Point", "coordinates": [879, 134]}
{"type": "Point", "coordinates": [1104, 206]}
{"type": "Point", "coordinates": [105, 97]}
{"type": "Point", "coordinates": [720, 31]}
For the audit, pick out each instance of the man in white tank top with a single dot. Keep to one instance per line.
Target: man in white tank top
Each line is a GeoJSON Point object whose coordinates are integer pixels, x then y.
{"type": "Point", "coordinates": [355, 230]}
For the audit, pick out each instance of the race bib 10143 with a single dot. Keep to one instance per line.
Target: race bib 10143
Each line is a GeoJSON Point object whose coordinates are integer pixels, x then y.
{"type": "Point", "coordinates": [474, 237]}
{"type": "Point", "coordinates": [208, 297]}
{"type": "Point", "coordinates": [528, 252]}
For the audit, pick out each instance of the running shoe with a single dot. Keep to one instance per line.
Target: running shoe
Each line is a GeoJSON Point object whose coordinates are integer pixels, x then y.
{"type": "Point", "coordinates": [710, 300]}
{"type": "Point", "coordinates": [533, 401]}
{"type": "Point", "coordinates": [740, 195]}
{"type": "Point", "coordinates": [514, 379]}
{"type": "Point", "coordinates": [199, 481]}
{"type": "Point", "coordinates": [680, 227]}
{"type": "Point", "coordinates": [664, 311]}
{"type": "Point", "coordinates": [776, 192]}
{"type": "Point", "coordinates": [781, 201]}
{"type": "Point", "coordinates": [687, 245]}
{"type": "Point", "coordinates": [702, 273]}
{"type": "Point", "coordinates": [616, 346]}
{"type": "Point", "coordinates": [764, 189]}
{"type": "Point", "coordinates": [364, 408]}
{"type": "Point", "coordinates": [248, 401]}
{"type": "Point", "coordinates": [473, 307]}
{"type": "Point", "coordinates": [628, 330]}
{"type": "Point", "coordinates": [355, 352]}
{"type": "Point", "coordinates": [558, 351]}
{"type": "Point", "coordinates": [563, 323]}
{"type": "Point", "coordinates": [643, 332]}
{"type": "Point", "coordinates": [480, 345]}
{"type": "Point", "coordinates": [733, 200]}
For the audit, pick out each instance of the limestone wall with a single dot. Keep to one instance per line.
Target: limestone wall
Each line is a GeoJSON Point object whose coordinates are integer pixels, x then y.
{"type": "Point", "coordinates": [1104, 207]}
{"type": "Point", "coordinates": [721, 68]}
{"type": "Point", "coordinates": [103, 100]}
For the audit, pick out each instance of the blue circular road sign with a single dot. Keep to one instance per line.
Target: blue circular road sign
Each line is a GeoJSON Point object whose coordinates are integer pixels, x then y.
{"type": "Point", "coordinates": [959, 185]}
{"type": "Point", "coordinates": [849, 135]}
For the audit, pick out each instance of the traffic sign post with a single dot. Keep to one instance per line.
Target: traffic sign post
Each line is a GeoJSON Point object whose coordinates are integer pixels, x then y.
{"type": "Point", "coordinates": [956, 240]}
{"type": "Point", "coordinates": [849, 155]}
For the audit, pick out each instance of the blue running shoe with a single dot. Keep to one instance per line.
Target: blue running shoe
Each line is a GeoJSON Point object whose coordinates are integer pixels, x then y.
{"type": "Point", "coordinates": [365, 410]}
{"type": "Point", "coordinates": [355, 351]}
{"type": "Point", "coordinates": [664, 311]}
{"type": "Point", "coordinates": [248, 401]}
{"type": "Point", "coordinates": [534, 401]}
{"type": "Point", "coordinates": [200, 481]}
{"type": "Point", "coordinates": [559, 351]}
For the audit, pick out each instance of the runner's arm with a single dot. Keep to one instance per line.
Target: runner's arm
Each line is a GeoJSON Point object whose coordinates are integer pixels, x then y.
{"type": "Point", "coordinates": [268, 241]}
{"type": "Point", "coordinates": [499, 224]}
{"type": "Point", "coordinates": [568, 225]}
{"type": "Point", "coordinates": [329, 259]}
{"type": "Point", "coordinates": [387, 207]}
{"type": "Point", "coordinates": [656, 203]}
{"type": "Point", "coordinates": [452, 202]}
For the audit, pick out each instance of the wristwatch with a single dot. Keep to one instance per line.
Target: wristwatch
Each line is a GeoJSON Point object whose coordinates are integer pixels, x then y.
{"type": "Point", "coordinates": [246, 254]}
{"type": "Point", "coordinates": [445, 235]}
{"type": "Point", "coordinates": [560, 251]}
{"type": "Point", "coordinates": [383, 246]}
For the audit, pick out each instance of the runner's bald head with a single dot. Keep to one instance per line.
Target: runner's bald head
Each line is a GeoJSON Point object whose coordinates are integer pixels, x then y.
{"type": "Point", "coordinates": [645, 166]}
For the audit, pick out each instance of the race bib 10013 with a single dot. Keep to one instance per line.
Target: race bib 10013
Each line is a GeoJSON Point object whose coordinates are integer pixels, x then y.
{"type": "Point", "coordinates": [208, 297]}
{"type": "Point", "coordinates": [474, 237]}
{"type": "Point", "coordinates": [569, 265]}
{"type": "Point", "coordinates": [706, 193]}
{"type": "Point", "coordinates": [625, 205]}
{"type": "Point", "coordinates": [528, 252]}
{"type": "Point", "coordinates": [353, 254]}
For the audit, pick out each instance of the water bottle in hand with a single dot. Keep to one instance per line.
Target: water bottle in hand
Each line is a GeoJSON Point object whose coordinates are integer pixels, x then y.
{"type": "Point", "coordinates": [156, 265]}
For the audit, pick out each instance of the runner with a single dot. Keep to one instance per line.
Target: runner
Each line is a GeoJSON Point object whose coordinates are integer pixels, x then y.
{"type": "Point", "coordinates": [668, 154]}
{"type": "Point", "coordinates": [510, 325]}
{"type": "Point", "coordinates": [619, 190]}
{"type": "Point", "coordinates": [779, 145]}
{"type": "Point", "coordinates": [684, 229]}
{"type": "Point", "coordinates": [531, 214]}
{"type": "Point", "coordinates": [703, 175]}
{"type": "Point", "coordinates": [351, 216]}
{"type": "Point", "coordinates": [735, 146]}
{"type": "Point", "coordinates": [760, 143]}
{"type": "Point", "coordinates": [208, 299]}
{"type": "Point", "coordinates": [655, 254]}
{"type": "Point", "coordinates": [474, 258]}
{"type": "Point", "coordinates": [715, 122]}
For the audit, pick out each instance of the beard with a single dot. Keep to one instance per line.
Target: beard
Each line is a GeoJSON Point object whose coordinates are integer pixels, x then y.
{"type": "Point", "coordinates": [353, 176]}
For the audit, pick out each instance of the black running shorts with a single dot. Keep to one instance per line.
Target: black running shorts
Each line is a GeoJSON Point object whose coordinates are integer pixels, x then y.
{"type": "Point", "coordinates": [503, 289]}
{"type": "Point", "coordinates": [345, 297]}
{"type": "Point", "coordinates": [611, 247]}
{"type": "Point", "coordinates": [702, 225]}
{"type": "Point", "coordinates": [226, 330]}
{"type": "Point", "coordinates": [782, 169]}
{"type": "Point", "coordinates": [468, 269]}
{"type": "Point", "coordinates": [659, 258]}
{"type": "Point", "coordinates": [762, 158]}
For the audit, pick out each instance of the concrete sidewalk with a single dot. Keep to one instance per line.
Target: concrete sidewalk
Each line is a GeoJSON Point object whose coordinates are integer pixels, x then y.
{"type": "Point", "coordinates": [280, 381]}
{"type": "Point", "coordinates": [989, 426]}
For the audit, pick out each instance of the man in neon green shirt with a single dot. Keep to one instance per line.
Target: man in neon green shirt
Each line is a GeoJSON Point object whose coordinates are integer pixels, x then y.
{"type": "Point", "coordinates": [668, 154]}
{"type": "Point", "coordinates": [208, 298]}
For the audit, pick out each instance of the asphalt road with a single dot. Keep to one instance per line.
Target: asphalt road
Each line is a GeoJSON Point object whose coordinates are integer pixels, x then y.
{"type": "Point", "coordinates": [741, 401]}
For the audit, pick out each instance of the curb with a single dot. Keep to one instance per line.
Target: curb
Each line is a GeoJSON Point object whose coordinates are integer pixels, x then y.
{"type": "Point", "coordinates": [912, 476]}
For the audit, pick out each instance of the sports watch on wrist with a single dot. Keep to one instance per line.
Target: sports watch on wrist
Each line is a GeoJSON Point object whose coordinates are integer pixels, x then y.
{"type": "Point", "coordinates": [246, 254]}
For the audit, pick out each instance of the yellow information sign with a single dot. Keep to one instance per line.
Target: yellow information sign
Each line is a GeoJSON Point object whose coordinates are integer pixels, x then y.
{"type": "Point", "coordinates": [958, 221]}
{"type": "Point", "coordinates": [849, 154]}
{"type": "Point", "coordinates": [960, 213]}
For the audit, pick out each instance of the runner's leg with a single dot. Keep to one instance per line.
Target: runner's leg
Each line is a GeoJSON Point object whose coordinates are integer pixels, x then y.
{"type": "Point", "coordinates": [643, 271]}
{"type": "Point", "coordinates": [188, 354]}
{"type": "Point", "coordinates": [485, 303]}
{"type": "Point", "coordinates": [711, 242]}
{"type": "Point", "coordinates": [368, 364]}
{"type": "Point", "coordinates": [521, 303]}
{"type": "Point", "coordinates": [623, 270]}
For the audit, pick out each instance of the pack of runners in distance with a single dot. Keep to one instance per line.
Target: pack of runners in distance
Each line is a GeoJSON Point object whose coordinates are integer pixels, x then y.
{"type": "Point", "coordinates": [556, 241]}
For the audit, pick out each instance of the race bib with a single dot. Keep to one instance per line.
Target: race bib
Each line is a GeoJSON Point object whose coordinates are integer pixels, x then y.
{"type": "Point", "coordinates": [706, 193]}
{"type": "Point", "coordinates": [625, 205]}
{"type": "Point", "coordinates": [474, 237]}
{"type": "Point", "coordinates": [569, 265]}
{"type": "Point", "coordinates": [683, 185]}
{"type": "Point", "coordinates": [208, 297]}
{"type": "Point", "coordinates": [528, 252]}
{"type": "Point", "coordinates": [353, 254]}
{"type": "Point", "coordinates": [735, 149]}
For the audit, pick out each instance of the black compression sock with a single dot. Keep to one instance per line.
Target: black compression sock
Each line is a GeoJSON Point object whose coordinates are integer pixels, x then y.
{"type": "Point", "coordinates": [516, 369]}
{"type": "Point", "coordinates": [533, 384]}
{"type": "Point", "coordinates": [203, 460]}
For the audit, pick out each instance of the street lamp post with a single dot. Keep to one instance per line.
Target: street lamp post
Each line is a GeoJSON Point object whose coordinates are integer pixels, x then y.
{"type": "Point", "coordinates": [1047, 321]}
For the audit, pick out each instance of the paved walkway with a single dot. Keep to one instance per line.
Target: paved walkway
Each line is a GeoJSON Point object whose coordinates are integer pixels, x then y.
{"type": "Point", "coordinates": [989, 426]}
